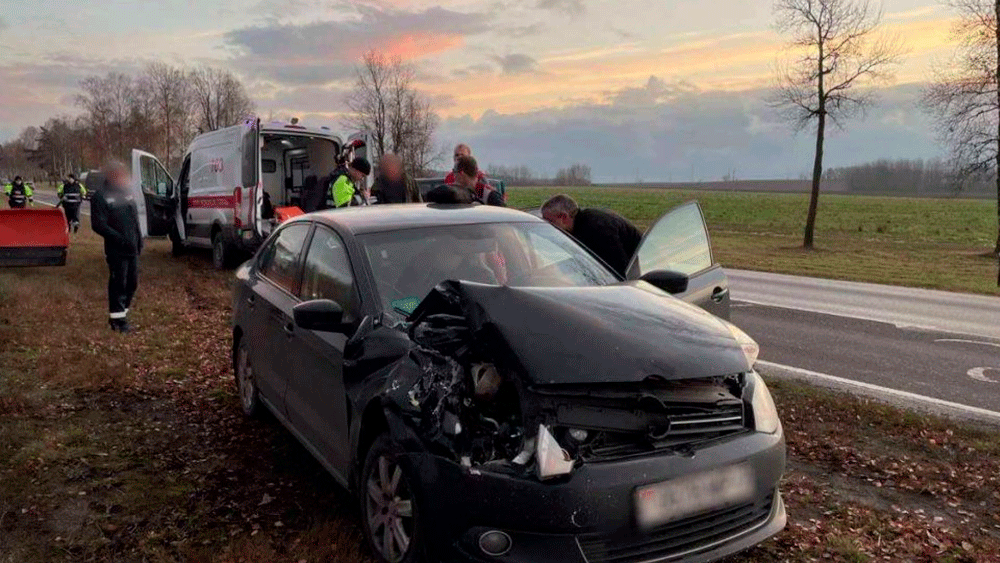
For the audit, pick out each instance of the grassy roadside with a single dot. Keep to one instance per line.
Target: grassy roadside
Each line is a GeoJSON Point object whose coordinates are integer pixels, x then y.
{"type": "Point", "coordinates": [932, 243]}
{"type": "Point", "coordinates": [133, 448]}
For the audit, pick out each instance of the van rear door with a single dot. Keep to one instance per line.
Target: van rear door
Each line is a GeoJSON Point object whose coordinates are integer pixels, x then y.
{"type": "Point", "coordinates": [155, 195]}
{"type": "Point", "coordinates": [249, 195]}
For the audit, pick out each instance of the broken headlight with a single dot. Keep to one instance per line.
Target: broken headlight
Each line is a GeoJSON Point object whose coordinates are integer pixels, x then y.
{"type": "Point", "coordinates": [765, 414]}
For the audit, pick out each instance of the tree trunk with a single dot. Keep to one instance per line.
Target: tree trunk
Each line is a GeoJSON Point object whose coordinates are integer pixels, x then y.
{"type": "Point", "coordinates": [996, 25]}
{"type": "Point", "coordinates": [807, 241]}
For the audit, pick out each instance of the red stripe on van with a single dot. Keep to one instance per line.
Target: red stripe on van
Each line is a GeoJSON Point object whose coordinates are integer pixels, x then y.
{"type": "Point", "coordinates": [211, 202]}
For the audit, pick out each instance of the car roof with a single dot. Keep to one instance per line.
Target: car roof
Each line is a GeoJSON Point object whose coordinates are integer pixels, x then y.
{"type": "Point", "coordinates": [380, 218]}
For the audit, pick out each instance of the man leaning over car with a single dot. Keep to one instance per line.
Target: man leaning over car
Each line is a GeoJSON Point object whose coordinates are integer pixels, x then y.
{"type": "Point", "coordinates": [608, 235]}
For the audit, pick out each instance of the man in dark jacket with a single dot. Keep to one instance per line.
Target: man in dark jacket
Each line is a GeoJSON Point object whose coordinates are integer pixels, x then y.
{"type": "Point", "coordinates": [71, 195]}
{"type": "Point", "coordinates": [393, 184]}
{"type": "Point", "coordinates": [607, 234]}
{"type": "Point", "coordinates": [114, 216]}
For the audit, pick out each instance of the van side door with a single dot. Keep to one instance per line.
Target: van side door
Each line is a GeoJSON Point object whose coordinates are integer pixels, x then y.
{"type": "Point", "coordinates": [679, 242]}
{"type": "Point", "coordinates": [155, 194]}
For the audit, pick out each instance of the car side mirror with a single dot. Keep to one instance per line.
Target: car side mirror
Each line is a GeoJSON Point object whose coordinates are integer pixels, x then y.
{"type": "Point", "coordinates": [321, 315]}
{"type": "Point", "coordinates": [170, 190]}
{"type": "Point", "coordinates": [667, 280]}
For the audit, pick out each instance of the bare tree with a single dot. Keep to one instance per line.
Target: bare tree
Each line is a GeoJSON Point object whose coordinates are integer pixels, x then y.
{"type": "Point", "coordinates": [168, 89]}
{"type": "Point", "coordinates": [386, 104]}
{"type": "Point", "coordinates": [964, 98]}
{"type": "Point", "coordinates": [839, 54]}
{"type": "Point", "coordinates": [219, 98]}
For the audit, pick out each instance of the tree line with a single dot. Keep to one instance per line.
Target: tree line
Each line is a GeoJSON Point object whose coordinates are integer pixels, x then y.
{"type": "Point", "coordinates": [574, 175]}
{"type": "Point", "coordinates": [908, 177]}
{"type": "Point", "coordinates": [160, 110]}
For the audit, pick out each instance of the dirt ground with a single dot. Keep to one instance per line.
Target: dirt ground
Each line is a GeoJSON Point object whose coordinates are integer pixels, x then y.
{"type": "Point", "coordinates": [133, 448]}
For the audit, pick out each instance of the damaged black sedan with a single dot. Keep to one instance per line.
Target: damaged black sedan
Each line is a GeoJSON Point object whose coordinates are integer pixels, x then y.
{"type": "Point", "coordinates": [492, 392]}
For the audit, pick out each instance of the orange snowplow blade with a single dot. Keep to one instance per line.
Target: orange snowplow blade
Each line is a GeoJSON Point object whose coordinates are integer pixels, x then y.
{"type": "Point", "coordinates": [283, 214]}
{"type": "Point", "coordinates": [33, 237]}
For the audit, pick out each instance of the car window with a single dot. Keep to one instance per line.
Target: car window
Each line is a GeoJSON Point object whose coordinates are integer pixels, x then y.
{"type": "Point", "coordinates": [147, 174]}
{"type": "Point", "coordinates": [327, 272]}
{"type": "Point", "coordinates": [677, 242]}
{"type": "Point", "coordinates": [279, 261]}
{"type": "Point", "coordinates": [407, 264]}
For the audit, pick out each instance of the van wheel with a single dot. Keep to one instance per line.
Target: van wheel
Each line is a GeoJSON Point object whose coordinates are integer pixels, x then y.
{"type": "Point", "coordinates": [389, 507]}
{"type": "Point", "coordinates": [176, 244]}
{"type": "Point", "coordinates": [246, 384]}
{"type": "Point", "coordinates": [221, 255]}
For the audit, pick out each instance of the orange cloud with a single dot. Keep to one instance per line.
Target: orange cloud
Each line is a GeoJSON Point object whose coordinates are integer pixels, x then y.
{"type": "Point", "coordinates": [418, 45]}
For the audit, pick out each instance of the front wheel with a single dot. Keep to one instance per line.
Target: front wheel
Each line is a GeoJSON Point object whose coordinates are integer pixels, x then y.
{"type": "Point", "coordinates": [221, 253]}
{"type": "Point", "coordinates": [389, 507]}
{"type": "Point", "coordinates": [176, 244]}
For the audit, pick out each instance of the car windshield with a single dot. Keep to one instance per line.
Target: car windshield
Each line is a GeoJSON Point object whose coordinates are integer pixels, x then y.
{"type": "Point", "coordinates": [408, 263]}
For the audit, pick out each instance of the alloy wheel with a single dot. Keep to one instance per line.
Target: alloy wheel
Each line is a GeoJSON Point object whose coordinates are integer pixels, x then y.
{"type": "Point", "coordinates": [244, 376]}
{"type": "Point", "coordinates": [389, 510]}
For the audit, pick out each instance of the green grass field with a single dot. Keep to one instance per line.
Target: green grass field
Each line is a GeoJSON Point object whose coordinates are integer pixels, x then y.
{"type": "Point", "coordinates": [933, 243]}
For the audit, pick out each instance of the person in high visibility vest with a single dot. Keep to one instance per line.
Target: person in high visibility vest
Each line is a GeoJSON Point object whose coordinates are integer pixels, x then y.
{"type": "Point", "coordinates": [71, 194]}
{"type": "Point", "coordinates": [342, 188]}
{"type": "Point", "coordinates": [19, 195]}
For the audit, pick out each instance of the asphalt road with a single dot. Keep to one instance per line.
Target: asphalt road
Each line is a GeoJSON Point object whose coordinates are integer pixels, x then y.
{"type": "Point", "coordinates": [932, 343]}
{"type": "Point", "coordinates": [50, 198]}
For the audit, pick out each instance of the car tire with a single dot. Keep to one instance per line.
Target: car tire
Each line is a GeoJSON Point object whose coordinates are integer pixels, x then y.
{"type": "Point", "coordinates": [246, 383]}
{"type": "Point", "coordinates": [390, 517]}
{"type": "Point", "coordinates": [221, 254]}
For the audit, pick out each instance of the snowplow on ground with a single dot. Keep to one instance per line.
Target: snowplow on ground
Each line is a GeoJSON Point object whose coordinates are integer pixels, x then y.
{"type": "Point", "coordinates": [33, 237]}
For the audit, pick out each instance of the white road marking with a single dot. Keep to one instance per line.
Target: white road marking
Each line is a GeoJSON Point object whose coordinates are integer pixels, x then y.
{"type": "Point", "coordinates": [886, 392]}
{"type": "Point", "coordinates": [963, 341]}
{"type": "Point", "coordinates": [818, 310]}
{"type": "Point", "coordinates": [979, 374]}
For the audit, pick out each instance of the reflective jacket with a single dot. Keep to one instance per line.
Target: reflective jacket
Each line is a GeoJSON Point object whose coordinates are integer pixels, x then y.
{"type": "Point", "coordinates": [342, 190]}
{"type": "Point", "coordinates": [71, 193]}
{"type": "Point", "coordinates": [19, 195]}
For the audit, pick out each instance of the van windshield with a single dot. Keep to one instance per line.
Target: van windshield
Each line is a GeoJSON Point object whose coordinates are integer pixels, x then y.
{"type": "Point", "coordinates": [291, 162]}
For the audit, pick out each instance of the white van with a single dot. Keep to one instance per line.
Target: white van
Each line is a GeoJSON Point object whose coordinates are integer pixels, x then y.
{"type": "Point", "coordinates": [230, 182]}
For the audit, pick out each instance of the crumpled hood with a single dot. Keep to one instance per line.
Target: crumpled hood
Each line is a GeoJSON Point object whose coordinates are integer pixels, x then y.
{"type": "Point", "coordinates": [607, 334]}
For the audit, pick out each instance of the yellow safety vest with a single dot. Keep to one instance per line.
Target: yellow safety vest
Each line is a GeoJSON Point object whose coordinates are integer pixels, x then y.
{"type": "Point", "coordinates": [342, 191]}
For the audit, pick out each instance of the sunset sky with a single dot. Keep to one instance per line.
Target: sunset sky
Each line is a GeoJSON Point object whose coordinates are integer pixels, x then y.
{"type": "Point", "coordinates": [640, 89]}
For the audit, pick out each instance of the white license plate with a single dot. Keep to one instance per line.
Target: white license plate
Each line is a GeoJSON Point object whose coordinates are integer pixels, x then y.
{"type": "Point", "coordinates": [662, 502]}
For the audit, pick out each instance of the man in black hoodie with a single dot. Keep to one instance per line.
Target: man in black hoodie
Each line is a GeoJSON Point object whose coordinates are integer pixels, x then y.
{"type": "Point", "coordinates": [114, 216]}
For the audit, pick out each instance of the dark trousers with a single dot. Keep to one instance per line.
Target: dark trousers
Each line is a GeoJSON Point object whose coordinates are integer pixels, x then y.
{"type": "Point", "coordinates": [122, 282]}
{"type": "Point", "coordinates": [72, 213]}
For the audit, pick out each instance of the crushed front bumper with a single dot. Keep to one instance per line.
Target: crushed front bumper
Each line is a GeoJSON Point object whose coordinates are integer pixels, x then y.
{"type": "Point", "coordinates": [589, 516]}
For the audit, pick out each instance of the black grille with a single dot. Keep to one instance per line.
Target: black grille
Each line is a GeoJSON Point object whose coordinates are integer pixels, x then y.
{"type": "Point", "coordinates": [697, 533]}
{"type": "Point", "coordinates": [686, 429]}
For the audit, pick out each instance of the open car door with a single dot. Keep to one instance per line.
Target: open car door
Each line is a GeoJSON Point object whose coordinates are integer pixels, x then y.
{"type": "Point", "coordinates": [678, 242]}
{"type": "Point", "coordinates": [155, 195]}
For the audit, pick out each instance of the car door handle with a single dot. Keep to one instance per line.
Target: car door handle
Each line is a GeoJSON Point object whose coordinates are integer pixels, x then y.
{"type": "Point", "coordinates": [719, 294]}
{"type": "Point", "coordinates": [289, 328]}
{"type": "Point", "coordinates": [251, 300]}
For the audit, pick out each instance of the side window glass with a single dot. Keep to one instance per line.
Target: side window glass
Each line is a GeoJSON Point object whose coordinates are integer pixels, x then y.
{"type": "Point", "coordinates": [164, 184]}
{"type": "Point", "coordinates": [677, 242]}
{"type": "Point", "coordinates": [279, 262]}
{"type": "Point", "coordinates": [147, 174]}
{"type": "Point", "coordinates": [327, 273]}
